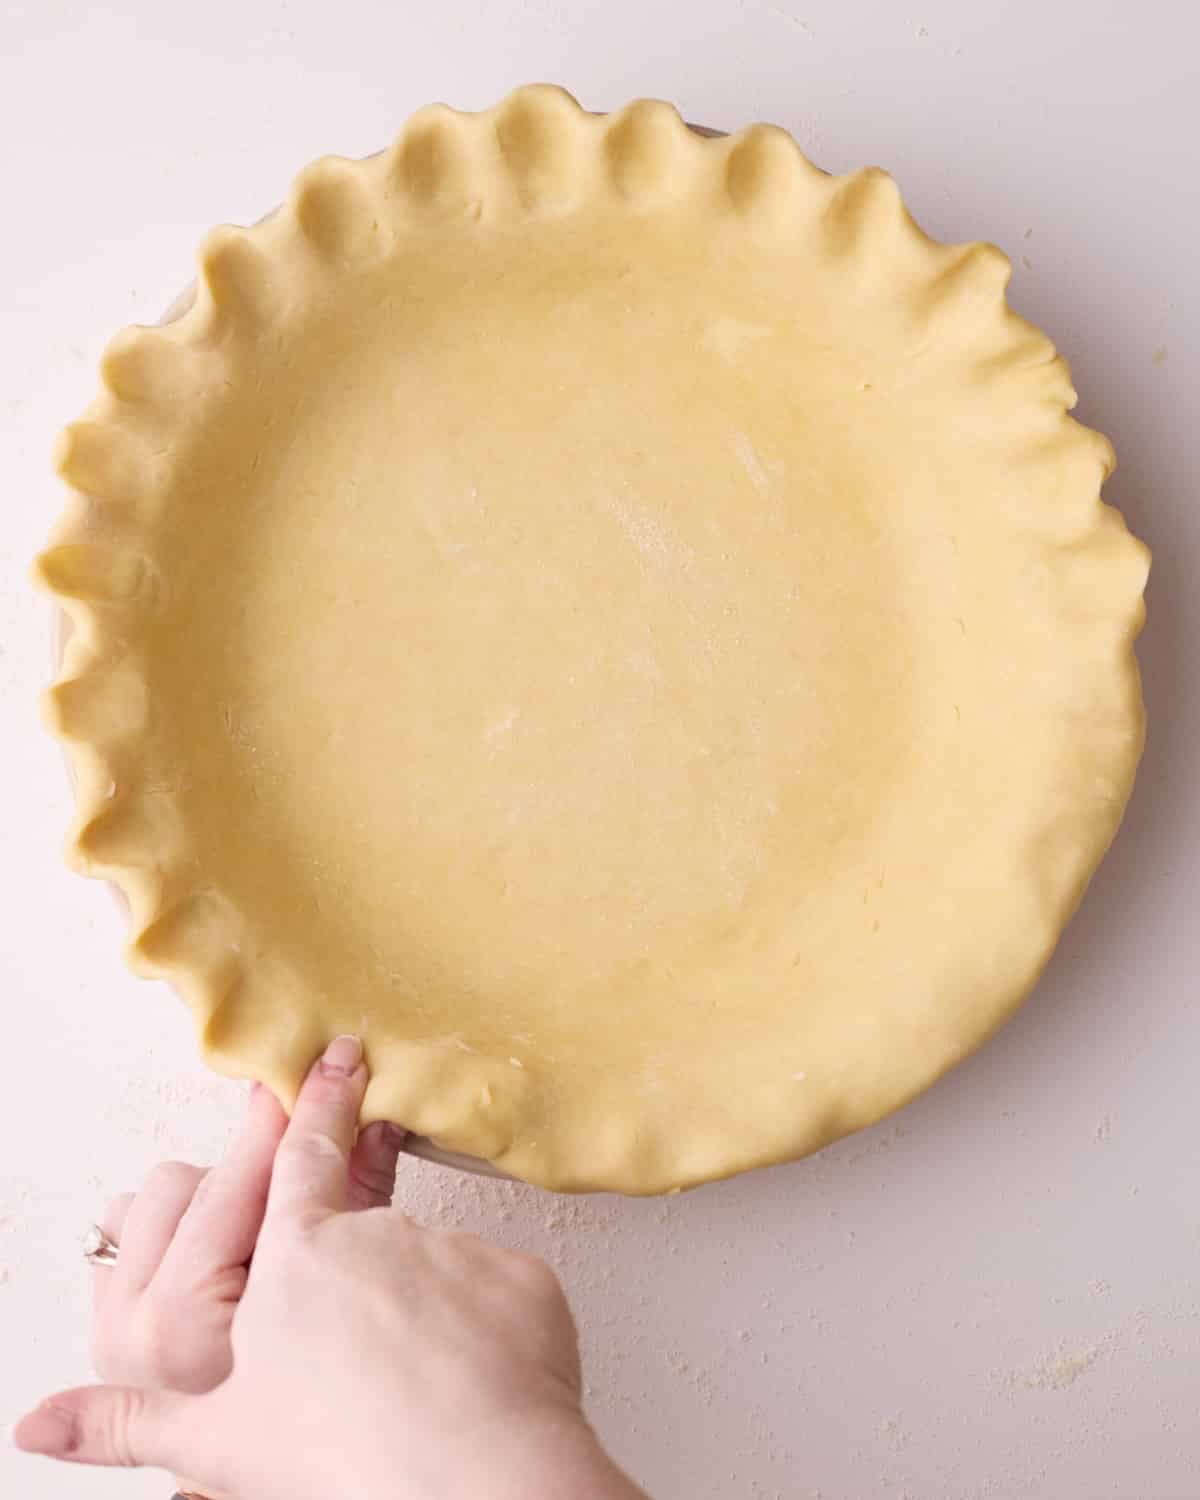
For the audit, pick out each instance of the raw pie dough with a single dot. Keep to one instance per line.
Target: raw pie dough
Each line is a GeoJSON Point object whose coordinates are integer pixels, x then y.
{"type": "Point", "coordinates": [622, 621]}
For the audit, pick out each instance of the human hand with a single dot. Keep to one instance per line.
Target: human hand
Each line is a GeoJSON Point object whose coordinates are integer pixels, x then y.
{"type": "Point", "coordinates": [162, 1315]}
{"type": "Point", "coordinates": [371, 1357]}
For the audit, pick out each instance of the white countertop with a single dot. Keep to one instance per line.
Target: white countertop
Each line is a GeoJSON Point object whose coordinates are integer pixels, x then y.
{"type": "Point", "coordinates": [993, 1294]}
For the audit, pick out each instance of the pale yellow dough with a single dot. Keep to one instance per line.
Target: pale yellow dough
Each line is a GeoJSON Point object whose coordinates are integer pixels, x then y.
{"type": "Point", "coordinates": [622, 621]}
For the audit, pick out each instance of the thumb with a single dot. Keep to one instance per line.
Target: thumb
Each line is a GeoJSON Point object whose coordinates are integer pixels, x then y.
{"type": "Point", "coordinates": [113, 1426]}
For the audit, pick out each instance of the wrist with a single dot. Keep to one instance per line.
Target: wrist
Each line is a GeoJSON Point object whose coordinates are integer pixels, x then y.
{"type": "Point", "coordinates": [553, 1455]}
{"type": "Point", "coordinates": [546, 1453]}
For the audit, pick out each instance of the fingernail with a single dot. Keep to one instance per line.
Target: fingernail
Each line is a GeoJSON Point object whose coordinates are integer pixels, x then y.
{"type": "Point", "coordinates": [342, 1057]}
{"type": "Point", "coordinates": [49, 1430]}
{"type": "Point", "coordinates": [395, 1135]}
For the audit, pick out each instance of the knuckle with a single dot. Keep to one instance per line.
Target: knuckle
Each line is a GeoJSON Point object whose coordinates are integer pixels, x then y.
{"type": "Point", "coordinates": [327, 1088]}
{"type": "Point", "coordinates": [170, 1177]}
{"type": "Point", "coordinates": [463, 1245]}
{"type": "Point", "coordinates": [311, 1145]}
{"type": "Point", "coordinates": [376, 1182]}
{"type": "Point", "coordinates": [533, 1274]}
{"type": "Point", "coordinates": [204, 1189]}
{"type": "Point", "coordinates": [388, 1226]}
{"type": "Point", "coordinates": [290, 1249]}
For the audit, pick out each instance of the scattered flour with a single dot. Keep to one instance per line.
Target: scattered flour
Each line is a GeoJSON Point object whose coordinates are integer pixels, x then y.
{"type": "Point", "coordinates": [1062, 1368]}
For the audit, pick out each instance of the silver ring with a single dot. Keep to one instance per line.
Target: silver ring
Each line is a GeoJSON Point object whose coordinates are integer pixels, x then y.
{"type": "Point", "coordinates": [98, 1248]}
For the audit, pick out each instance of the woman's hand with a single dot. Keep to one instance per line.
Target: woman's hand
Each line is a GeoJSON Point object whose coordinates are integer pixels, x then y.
{"type": "Point", "coordinates": [163, 1313]}
{"type": "Point", "coordinates": [371, 1358]}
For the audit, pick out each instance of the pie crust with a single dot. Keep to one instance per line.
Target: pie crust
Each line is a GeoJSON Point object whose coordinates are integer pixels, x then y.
{"type": "Point", "coordinates": [621, 621]}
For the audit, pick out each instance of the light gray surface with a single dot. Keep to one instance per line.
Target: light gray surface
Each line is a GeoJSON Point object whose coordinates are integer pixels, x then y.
{"type": "Point", "coordinates": [994, 1294]}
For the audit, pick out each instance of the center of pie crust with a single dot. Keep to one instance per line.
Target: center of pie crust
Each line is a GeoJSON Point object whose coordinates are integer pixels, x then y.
{"type": "Point", "coordinates": [551, 639]}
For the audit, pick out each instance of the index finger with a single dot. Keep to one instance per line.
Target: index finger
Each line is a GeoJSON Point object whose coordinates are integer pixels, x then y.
{"type": "Point", "coordinates": [221, 1224]}
{"type": "Point", "coordinates": [312, 1166]}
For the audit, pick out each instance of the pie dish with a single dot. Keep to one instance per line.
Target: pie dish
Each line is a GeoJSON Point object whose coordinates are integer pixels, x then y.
{"type": "Point", "coordinates": [622, 621]}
